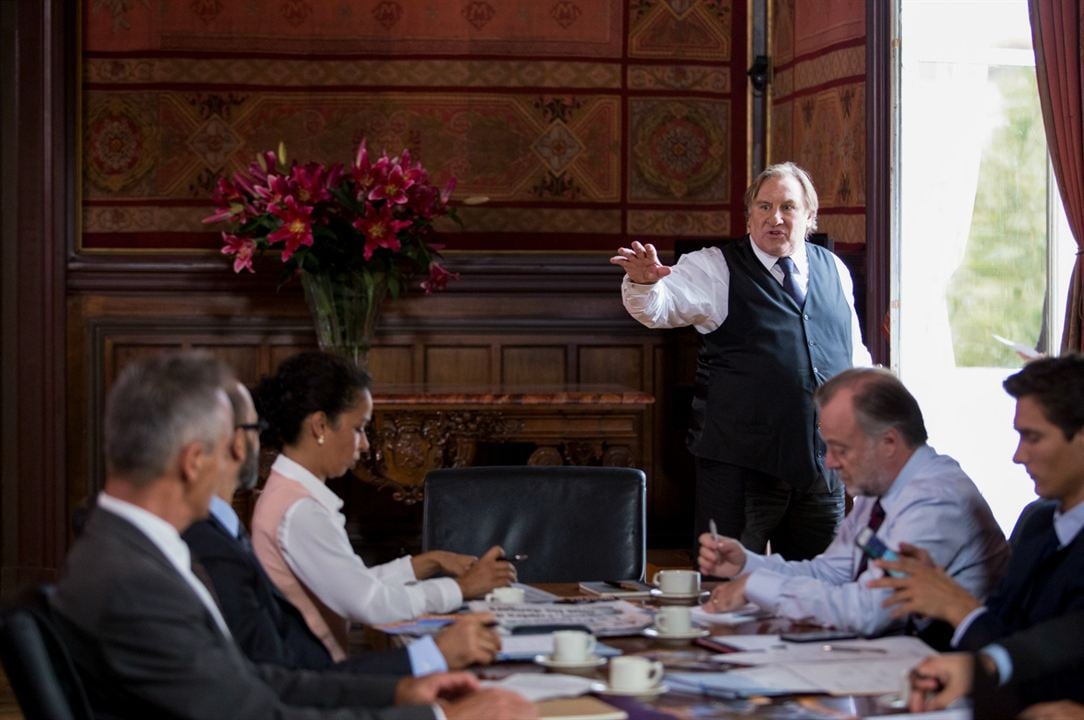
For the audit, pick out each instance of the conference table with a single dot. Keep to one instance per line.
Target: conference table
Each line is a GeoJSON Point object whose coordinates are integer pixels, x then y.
{"type": "Point", "coordinates": [691, 657]}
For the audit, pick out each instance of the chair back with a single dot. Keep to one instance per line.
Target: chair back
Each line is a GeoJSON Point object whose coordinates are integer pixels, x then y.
{"type": "Point", "coordinates": [37, 664]}
{"type": "Point", "coordinates": [573, 523]}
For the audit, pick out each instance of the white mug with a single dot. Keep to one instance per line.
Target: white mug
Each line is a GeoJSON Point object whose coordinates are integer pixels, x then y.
{"type": "Point", "coordinates": [673, 620]}
{"type": "Point", "coordinates": [677, 582]}
{"type": "Point", "coordinates": [505, 595]}
{"type": "Point", "coordinates": [631, 673]}
{"type": "Point", "coordinates": [572, 645]}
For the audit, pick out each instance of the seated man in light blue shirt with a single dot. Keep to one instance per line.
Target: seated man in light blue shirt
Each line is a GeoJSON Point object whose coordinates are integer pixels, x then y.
{"type": "Point", "coordinates": [904, 491]}
{"type": "Point", "coordinates": [266, 626]}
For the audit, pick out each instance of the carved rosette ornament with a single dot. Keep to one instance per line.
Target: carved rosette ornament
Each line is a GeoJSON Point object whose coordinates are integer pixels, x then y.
{"type": "Point", "coordinates": [406, 446]}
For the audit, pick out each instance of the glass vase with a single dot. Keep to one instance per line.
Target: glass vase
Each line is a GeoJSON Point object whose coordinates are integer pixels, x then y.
{"type": "Point", "coordinates": [345, 308]}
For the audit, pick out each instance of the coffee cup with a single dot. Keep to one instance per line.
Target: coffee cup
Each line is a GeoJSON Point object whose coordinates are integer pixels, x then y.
{"type": "Point", "coordinates": [631, 673]}
{"type": "Point", "coordinates": [572, 646]}
{"type": "Point", "coordinates": [673, 621]}
{"type": "Point", "coordinates": [677, 582]}
{"type": "Point", "coordinates": [505, 595]}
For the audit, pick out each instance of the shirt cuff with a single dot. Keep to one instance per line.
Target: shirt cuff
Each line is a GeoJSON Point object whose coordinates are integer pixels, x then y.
{"type": "Point", "coordinates": [1002, 660]}
{"type": "Point", "coordinates": [764, 586]}
{"type": "Point", "coordinates": [442, 595]}
{"type": "Point", "coordinates": [425, 657]}
{"type": "Point", "coordinates": [753, 561]}
{"type": "Point", "coordinates": [438, 712]}
{"type": "Point", "coordinates": [961, 629]}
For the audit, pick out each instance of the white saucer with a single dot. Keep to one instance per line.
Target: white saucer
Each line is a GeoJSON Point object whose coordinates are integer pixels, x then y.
{"type": "Point", "coordinates": [652, 692]}
{"type": "Point", "coordinates": [547, 661]}
{"type": "Point", "coordinates": [892, 701]}
{"type": "Point", "coordinates": [691, 634]}
{"type": "Point", "coordinates": [657, 593]}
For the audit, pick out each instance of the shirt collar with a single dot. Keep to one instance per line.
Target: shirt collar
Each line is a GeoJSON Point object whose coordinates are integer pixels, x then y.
{"type": "Point", "coordinates": [298, 473]}
{"type": "Point", "coordinates": [922, 455]}
{"type": "Point", "coordinates": [225, 514]}
{"type": "Point", "coordinates": [163, 535]}
{"type": "Point", "coordinates": [801, 260]}
{"type": "Point", "coordinates": [1067, 525]}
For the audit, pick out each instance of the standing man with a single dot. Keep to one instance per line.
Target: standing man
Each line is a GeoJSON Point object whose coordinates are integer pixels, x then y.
{"type": "Point", "coordinates": [776, 320]}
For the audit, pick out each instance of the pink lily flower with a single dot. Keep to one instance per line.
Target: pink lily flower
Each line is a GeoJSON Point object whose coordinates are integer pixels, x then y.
{"type": "Point", "coordinates": [242, 249]}
{"type": "Point", "coordinates": [296, 229]}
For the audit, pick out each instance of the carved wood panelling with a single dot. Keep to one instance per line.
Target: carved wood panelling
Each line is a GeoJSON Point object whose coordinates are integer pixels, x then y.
{"type": "Point", "coordinates": [456, 339]}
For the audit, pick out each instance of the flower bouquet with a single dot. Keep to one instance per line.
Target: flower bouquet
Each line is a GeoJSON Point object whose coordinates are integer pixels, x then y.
{"type": "Point", "coordinates": [353, 234]}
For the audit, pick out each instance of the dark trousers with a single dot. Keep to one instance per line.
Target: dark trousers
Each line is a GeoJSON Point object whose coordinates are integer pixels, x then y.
{"type": "Point", "coordinates": [755, 508]}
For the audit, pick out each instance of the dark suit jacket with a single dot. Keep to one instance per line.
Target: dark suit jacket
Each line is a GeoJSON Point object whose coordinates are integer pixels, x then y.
{"type": "Point", "coordinates": [146, 647]}
{"type": "Point", "coordinates": [265, 625]}
{"type": "Point", "coordinates": [1016, 603]}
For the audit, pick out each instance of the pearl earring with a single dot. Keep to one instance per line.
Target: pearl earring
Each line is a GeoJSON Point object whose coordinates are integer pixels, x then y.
{"type": "Point", "coordinates": [320, 440]}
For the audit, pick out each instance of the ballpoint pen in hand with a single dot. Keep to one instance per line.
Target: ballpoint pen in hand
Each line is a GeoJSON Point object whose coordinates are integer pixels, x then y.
{"type": "Point", "coordinates": [714, 530]}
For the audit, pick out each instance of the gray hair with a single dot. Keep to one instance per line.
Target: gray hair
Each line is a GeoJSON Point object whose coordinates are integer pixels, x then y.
{"type": "Point", "coordinates": [158, 405]}
{"type": "Point", "coordinates": [786, 169]}
{"type": "Point", "coordinates": [881, 402]}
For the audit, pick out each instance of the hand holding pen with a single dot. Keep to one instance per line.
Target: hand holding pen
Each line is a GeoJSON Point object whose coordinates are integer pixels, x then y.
{"type": "Point", "coordinates": [492, 570]}
{"type": "Point", "coordinates": [720, 556]}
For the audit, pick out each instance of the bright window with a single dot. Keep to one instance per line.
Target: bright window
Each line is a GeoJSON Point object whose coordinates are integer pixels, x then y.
{"type": "Point", "coordinates": [980, 246]}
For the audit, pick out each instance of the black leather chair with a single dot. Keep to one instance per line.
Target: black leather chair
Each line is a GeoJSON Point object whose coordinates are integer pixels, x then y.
{"type": "Point", "coordinates": [36, 662]}
{"type": "Point", "coordinates": [573, 523]}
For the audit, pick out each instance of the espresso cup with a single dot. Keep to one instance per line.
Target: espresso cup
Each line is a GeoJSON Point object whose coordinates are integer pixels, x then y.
{"type": "Point", "coordinates": [673, 621]}
{"type": "Point", "coordinates": [572, 646]}
{"type": "Point", "coordinates": [677, 582]}
{"type": "Point", "coordinates": [505, 595]}
{"type": "Point", "coordinates": [631, 673]}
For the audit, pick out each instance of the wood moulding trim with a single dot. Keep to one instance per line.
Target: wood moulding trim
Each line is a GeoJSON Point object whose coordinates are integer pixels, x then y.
{"type": "Point", "coordinates": [506, 272]}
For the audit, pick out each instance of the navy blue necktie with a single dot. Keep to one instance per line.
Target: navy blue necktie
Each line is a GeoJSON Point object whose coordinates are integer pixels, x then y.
{"type": "Point", "coordinates": [790, 280]}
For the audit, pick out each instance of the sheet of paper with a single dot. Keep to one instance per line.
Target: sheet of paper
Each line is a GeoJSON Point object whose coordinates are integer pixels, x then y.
{"type": "Point", "coordinates": [543, 686]}
{"type": "Point", "coordinates": [963, 713]}
{"type": "Point", "coordinates": [749, 613]}
{"type": "Point", "coordinates": [900, 647]}
{"type": "Point", "coordinates": [767, 680]}
{"type": "Point", "coordinates": [747, 642]}
{"type": "Point", "coordinates": [525, 647]}
{"type": "Point", "coordinates": [856, 677]}
{"type": "Point", "coordinates": [607, 618]}
{"type": "Point", "coordinates": [532, 594]}
{"type": "Point", "coordinates": [1028, 352]}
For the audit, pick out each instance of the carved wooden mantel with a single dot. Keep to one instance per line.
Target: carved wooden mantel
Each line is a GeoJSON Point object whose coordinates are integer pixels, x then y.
{"type": "Point", "coordinates": [416, 429]}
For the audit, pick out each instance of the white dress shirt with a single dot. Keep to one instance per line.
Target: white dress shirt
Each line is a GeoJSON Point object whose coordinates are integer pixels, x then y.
{"type": "Point", "coordinates": [166, 538]}
{"type": "Point", "coordinates": [425, 656]}
{"type": "Point", "coordinates": [933, 504]}
{"type": "Point", "coordinates": [697, 293]}
{"type": "Point", "coordinates": [313, 539]}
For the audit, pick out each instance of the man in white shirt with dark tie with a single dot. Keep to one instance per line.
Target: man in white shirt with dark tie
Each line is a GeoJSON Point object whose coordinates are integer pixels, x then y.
{"type": "Point", "coordinates": [776, 319]}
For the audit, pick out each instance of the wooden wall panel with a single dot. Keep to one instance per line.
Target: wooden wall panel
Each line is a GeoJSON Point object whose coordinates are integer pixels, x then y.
{"type": "Point", "coordinates": [607, 365]}
{"type": "Point", "coordinates": [392, 365]}
{"type": "Point", "coordinates": [450, 365]}
{"type": "Point", "coordinates": [533, 365]}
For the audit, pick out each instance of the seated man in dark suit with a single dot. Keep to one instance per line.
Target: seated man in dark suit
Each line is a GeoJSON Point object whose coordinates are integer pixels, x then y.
{"type": "Point", "coordinates": [144, 632]}
{"type": "Point", "coordinates": [1045, 578]}
{"type": "Point", "coordinates": [265, 625]}
{"type": "Point", "coordinates": [996, 671]}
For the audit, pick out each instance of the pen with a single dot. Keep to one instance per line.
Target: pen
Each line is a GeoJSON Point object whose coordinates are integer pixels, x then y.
{"type": "Point", "coordinates": [714, 530]}
{"type": "Point", "coordinates": [851, 648]}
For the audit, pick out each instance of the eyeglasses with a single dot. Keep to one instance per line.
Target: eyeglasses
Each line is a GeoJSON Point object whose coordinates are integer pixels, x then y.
{"type": "Point", "coordinates": [259, 426]}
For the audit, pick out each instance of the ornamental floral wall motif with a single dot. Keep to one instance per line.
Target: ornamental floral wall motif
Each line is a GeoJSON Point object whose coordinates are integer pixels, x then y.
{"type": "Point", "coordinates": [586, 123]}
